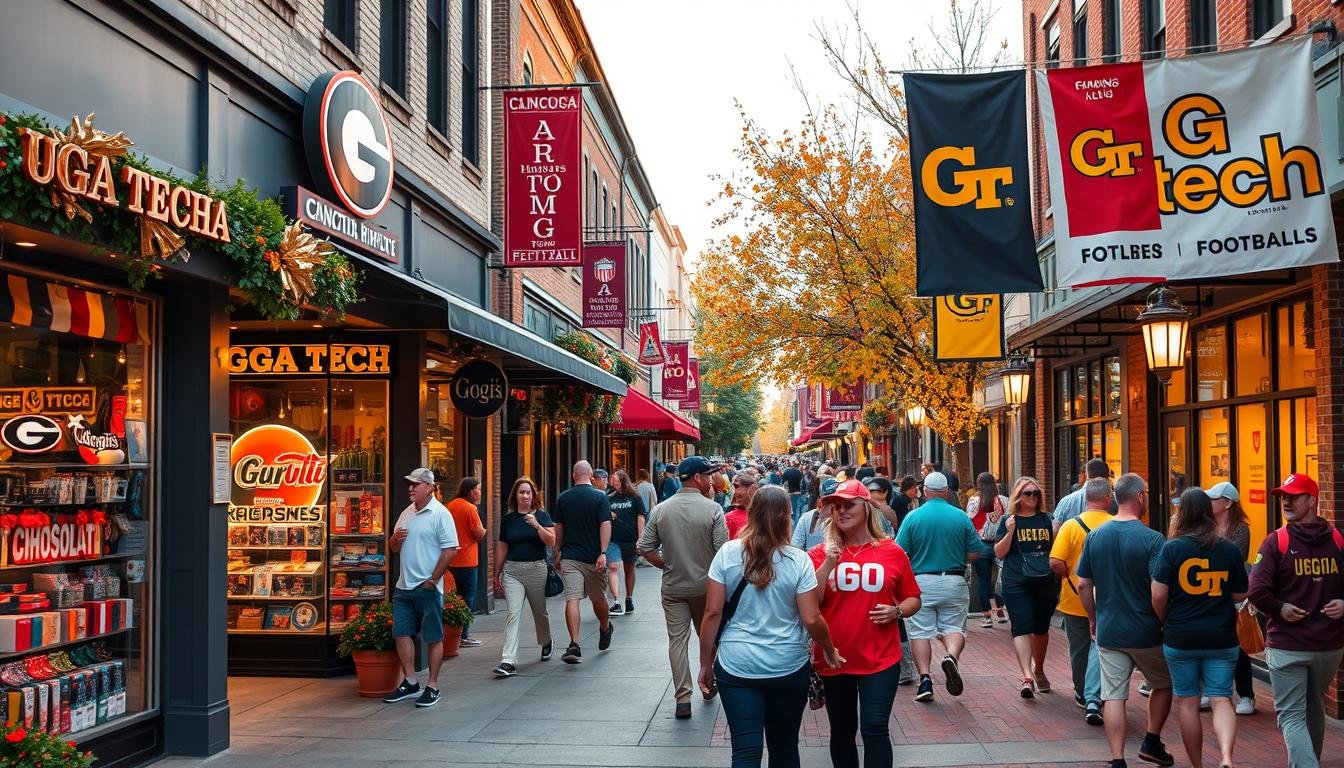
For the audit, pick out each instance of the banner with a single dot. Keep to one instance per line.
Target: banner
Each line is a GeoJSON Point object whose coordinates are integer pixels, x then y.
{"type": "Point", "coordinates": [846, 399]}
{"type": "Point", "coordinates": [1175, 169]}
{"type": "Point", "coordinates": [968, 161]}
{"type": "Point", "coordinates": [604, 284]}
{"type": "Point", "coordinates": [674, 369]}
{"type": "Point", "coordinates": [968, 328]}
{"type": "Point", "coordinates": [691, 402]}
{"type": "Point", "coordinates": [650, 346]}
{"type": "Point", "coordinates": [543, 199]}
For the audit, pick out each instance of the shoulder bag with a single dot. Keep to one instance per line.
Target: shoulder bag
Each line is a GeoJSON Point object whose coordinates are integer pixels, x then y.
{"type": "Point", "coordinates": [554, 584]}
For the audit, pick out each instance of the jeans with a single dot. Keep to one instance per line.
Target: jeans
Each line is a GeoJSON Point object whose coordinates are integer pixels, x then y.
{"type": "Point", "coordinates": [769, 710]}
{"type": "Point", "coordinates": [984, 581]}
{"type": "Point", "coordinates": [798, 504]}
{"type": "Point", "coordinates": [1300, 679]}
{"type": "Point", "coordinates": [1083, 659]}
{"type": "Point", "coordinates": [862, 704]}
{"type": "Point", "coordinates": [466, 587]}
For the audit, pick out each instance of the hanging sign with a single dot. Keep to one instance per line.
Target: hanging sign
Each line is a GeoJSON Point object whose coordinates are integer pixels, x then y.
{"type": "Point", "coordinates": [1179, 169]}
{"type": "Point", "coordinates": [348, 142]}
{"type": "Point", "coordinates": [278, 477]}
{"type": "Point", "coordinates": [604, 285]}
{"type": "Point", "coordinates": [543, 198]}
{"type": "Point", "coordinates": [968, 157]}
{"type": "Point", "coordinates": [967, 328]}
{"type": "Point", "coordinates": [330, 219]}
{"type": "Point", "coordinates": [846, 399]}
{"type": "Point", "coordinates": [674, 369]}
{"type": "Point", "coordinates": [288, 359]}
{"type": "Point", "coordinates": [650, 346]}
{"type": "Point", "coordinates": [478, 389]}
{"type": "Point", "coordinates": [691, 402]}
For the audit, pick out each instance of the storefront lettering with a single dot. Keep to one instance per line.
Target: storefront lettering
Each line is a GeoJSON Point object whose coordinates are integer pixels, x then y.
{"type": "Point", "coordinates": [47, 400]}
{"type": "Point", "coordinates": [288, 470]}
{"type": "Point", "coordinates": [54, 543]}
{"type": "Point", "coordinates": [310, 358]}
{"type": "Point", "coordinates": [276, 513]}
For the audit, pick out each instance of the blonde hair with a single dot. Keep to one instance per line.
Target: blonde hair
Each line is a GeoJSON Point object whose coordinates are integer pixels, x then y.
{"type": "Point", "coordinates": [1015, 498]}
{"type": "Point", "coordinates": [832, 532]}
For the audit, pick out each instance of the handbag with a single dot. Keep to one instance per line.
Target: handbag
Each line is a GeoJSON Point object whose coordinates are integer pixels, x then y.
{"type": "Point", "coordinates": [554, 584]}
{"type": "Point", "coordinates": [816, 692]}
{"type": "Point", "coordinates": [1249, 635]}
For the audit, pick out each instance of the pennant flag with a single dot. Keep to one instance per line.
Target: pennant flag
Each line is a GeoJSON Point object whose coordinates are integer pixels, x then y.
{"type": "Point", "coordinates": [543, 199]}
{"type": "Point", "coordinates": [604, 284]}
{"type": "Point", "coordinates": [691, 402]}
{"type": "Point", "coordinates": [674, 369]}
{"type": "Point", "coordinates": [650, 346]}
{"type": "Point", "coordinates": [968, 161]}
{"type": "Point", "coordinates": [1177, 169]}
{"type": "Point", "coordinates": [968, 328]}
{"type": "Point", "coordinates": [34, 303]}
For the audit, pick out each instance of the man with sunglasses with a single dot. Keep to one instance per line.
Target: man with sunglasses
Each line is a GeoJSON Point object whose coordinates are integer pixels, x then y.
{"type": "Point", "coordinates": [1064, 557]}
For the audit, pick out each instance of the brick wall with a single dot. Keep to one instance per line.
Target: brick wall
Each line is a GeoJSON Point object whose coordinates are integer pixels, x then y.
{"type": "Point", "coordinates": [1136, 409]}
{"type": "Point", "coordinates": [1328, 303]}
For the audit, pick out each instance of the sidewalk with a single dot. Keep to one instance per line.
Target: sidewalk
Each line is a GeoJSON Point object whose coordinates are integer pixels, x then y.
{"type": "Point", "coordinates": [616, 709]}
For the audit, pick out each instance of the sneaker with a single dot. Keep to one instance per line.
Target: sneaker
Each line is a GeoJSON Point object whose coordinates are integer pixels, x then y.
{"type": "Point", "coordinates": [1144, 689]}
{"type": "Point", "coordinates": [546, 652]}
{"type": "Point", "coordinates": [925, 692]}
{"type": "Point", "coordinates": [428, 698]}
{"type": "Point", "coordinates": [629, 605]}
{"type": "Point", "coordinates": [470, 642]}
{"type": "Point", "coordinates": [986, 622]}
{"type": "Point", "coordinates": [1245, 705]}
{"type": "Point", "coordinates": [1092, 715]}
{"type": "Point", "coordinates": [406, 690]}
{"type": "Point", "coordinates": [1028, 689]}
{"type": "Point", "coordinates": [952, 676]}
{"type": "Point", "coordinates": [1042, 683]}
{"type": "Point", "coordinates": [1154, 751]}
{"type": "Point", "coordinates": [1080, 701]}
{"type": "Point", "coordinates": [505, 669]}
{"type": "Point", "coordinates": [616, 609]}
{"type": "Point", "coordinates": [572, 654]}
{"type": "Point", "coordinates": [1204, 704]}
{"type": "Point", "coordinates": [604, 637]}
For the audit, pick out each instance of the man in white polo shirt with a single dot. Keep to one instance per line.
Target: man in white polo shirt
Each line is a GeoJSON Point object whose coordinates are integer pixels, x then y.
{"type": "Point", "coordinates": [426, 539]}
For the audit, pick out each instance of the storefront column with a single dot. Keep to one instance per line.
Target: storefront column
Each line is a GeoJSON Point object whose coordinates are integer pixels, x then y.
{"type": "Point", "coordinates": [195, 404]}
{"type": "Point", "coordinates": [1328, 305]}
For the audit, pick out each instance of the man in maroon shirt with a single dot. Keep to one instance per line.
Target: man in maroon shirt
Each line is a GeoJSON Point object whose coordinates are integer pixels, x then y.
{"type": "Point", "coordinates": [1297, 584]}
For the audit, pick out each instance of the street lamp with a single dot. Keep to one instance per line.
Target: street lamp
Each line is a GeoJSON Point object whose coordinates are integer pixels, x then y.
{"type": "Point", "coordinates": [1016, 377]}
{"type": "Point", "coordinates": [1166, 325]}
{"type": "Point", "coordinates": [916, 416]}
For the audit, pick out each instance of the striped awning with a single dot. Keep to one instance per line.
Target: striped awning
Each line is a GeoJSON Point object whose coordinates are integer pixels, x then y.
{"type": "Point", "coordinates": [36, 303]}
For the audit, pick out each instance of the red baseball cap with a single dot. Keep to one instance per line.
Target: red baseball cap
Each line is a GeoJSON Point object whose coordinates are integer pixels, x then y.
{"type": "Point", "coordinates": [850, 489]}
{"type": "Point", "coordinates": [1296, 484]}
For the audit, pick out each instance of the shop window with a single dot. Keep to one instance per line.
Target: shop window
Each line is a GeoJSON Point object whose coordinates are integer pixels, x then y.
{"type": "Point", "coordinates": [1178, 475]}
{"type": "Point", "coordinates": [1088, 404]}
{"type": "Point", "coordinates": [1297, 437]}
{"type": "Point", "coordinates": [1214, 460]}
{"type": "Point", "coordinates": [1063, 403]}
{"type": "Point", "coordinates": [1296, 353]}
{"type": "Point", "coordinates": [392, 45]}
{"type": "Point", "coordinates": [1094, 387]}
{"type": "Point", "coordinates": [471, 81]}
{"type": "Point", "coordinates": [1111, 450]}
{"type": "Point", "coordinates": [1114, 389]}
{"type": "Point", "coordinates": [1080, 392]}
{"type": "Point", "coordinates": [1211, 363]}
{"type": "Point", "coordinates": [1252, 462]}
{"type": "Point", "coordinates": [1251, 337]}
{"type": "Point", "coordinates": [339, 16]}
{"type": "Point", "coordinates": [1175, 390]}
{"type": "Point", "coordinates": [439, 436]}
{"type": "Point", "coordinates": [436, 65]}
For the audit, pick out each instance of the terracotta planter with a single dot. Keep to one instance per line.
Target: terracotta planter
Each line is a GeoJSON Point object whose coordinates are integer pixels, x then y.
{"type": "Point", "coordinates": [452, 640]}
{"type": "Point", "coordinates": [377, 672]}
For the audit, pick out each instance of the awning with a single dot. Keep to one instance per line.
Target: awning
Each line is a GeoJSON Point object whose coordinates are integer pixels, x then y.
{"type": "Point", "coordinates": [824, 428]}
{"type": "Point", "coordinates": [642, 416]}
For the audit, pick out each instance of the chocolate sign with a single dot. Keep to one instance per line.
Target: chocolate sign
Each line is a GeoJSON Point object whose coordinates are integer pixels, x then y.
{"type": "Point", "coordinates": [66, 539]}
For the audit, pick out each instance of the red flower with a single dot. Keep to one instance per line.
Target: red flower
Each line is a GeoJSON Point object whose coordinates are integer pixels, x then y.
{"type": "Point", "coordinates": [9, 521]}
{"type": "Point", "coordinates": [81, 517]}
{"type": "Point", "coordinates": [3, 165]}
{"type": "Point", "coordinates": [99, 517]}
{"type": "Point", "coordinates": [16, 735]}
{"type": "Point", "coordinates": [2, 119]}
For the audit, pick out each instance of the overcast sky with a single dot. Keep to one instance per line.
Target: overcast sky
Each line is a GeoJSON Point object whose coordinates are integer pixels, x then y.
{"type": "Point", "coordinates": [676, 69]}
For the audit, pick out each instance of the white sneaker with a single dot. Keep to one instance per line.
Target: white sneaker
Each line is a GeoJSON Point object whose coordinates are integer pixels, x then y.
{"type": "Point", "coordinates": [1245, 705]}
{"type": "Point", "coordinates": [1204, 703]}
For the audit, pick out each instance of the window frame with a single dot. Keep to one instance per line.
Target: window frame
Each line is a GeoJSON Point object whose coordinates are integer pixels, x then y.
{"type": "Point", "coordinates": [1203, 26]}
{"type": "Point", "coordinates": [471, 81]}
{"type": "Point", "coordinates": [339, 17]}
{"type": "Point", "coordinates": [1112, 31]}
{"type": "Point", "coordinates": [392, 26]}
{"type": "Point", "coordinates": [1080, 34]}
{"type": "Point", "coordinates": [1153, 17]}
{"type": "Point", "coordinates": [436, 68]}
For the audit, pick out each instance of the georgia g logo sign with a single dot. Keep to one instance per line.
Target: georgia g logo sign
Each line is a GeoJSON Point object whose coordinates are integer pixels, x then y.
{"type": "Point", "coordinates": [31, 433]}
{"type": "Point", "coordinates": [348, 142]}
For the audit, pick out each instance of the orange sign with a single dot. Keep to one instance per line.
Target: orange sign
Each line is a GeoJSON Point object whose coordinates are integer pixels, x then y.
{"type": "Point", "coordinates": [278, 477]}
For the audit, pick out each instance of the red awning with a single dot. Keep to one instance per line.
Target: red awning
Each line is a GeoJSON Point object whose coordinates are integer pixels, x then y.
{"type": "Point", "coordinates": [824, 428]}
{"type": "Point", "coordinates": [643, 416]}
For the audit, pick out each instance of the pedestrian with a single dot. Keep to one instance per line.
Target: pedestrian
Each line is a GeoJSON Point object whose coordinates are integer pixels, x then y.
{"type": "Point", "coordinates": [906, 498]}
{"type": "Point", "coordinates": [1297, 584]}
{"type": "Point", "coordinates": [1199, 580]}
{"type": "Point", "coordinates": [867, 586]}
{"type": "Point", "coordinates": [426, 540]}
{"type": "Point", "coordinates": [582, 532]}
{"type": "Point", "coordinates": [601, 480]}
{"type": "Point", "coordinates": [723, 490]}
{"type": "Point", "coordinates": [670, 483]}
{"type": "Point", "coordinates": [745, 484]}
{"type": "Point", "coordinates": [1064, 555]}
{"type": "Point", "coordinates": [1233, 526]}
{"type": "Point", "coordinates": [794, 484]}
{"type": "Point", "coordinates": [628, 516]}
{"type": "Point", "coordinates": [940, 541]}
{"type": "Point", "coordinates": [762, 666]}
{"type": "Point", "coordinates": [1030, 587]}
{"type": "Point", "coordinates": [810, 529]}
{"type": "Point", "coordinates": [879, 491]}
{"type": "Point", "coordinates": [689, 528]}
{"type": "Point", "coordinates": [465, 564]}
{"type": "Point", "coordinates": [647, 493]}
{"type": "Point", "coordinates": [1075, 501]}
{"type": "Point", "coordinates": [985, 509]}
{"type": "Point", "coordinates": [1115, 586]}
{"type": "Point", "coordinates": [864, 472]}
{"type": "Point", "coordinates": [525, 532]}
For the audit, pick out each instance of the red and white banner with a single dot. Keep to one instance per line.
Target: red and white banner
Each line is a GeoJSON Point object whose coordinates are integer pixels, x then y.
{"type": "Point", "coordinates": [691, 402]}
{"type": "Point", "coordinates": [543, 199]}
{"type": "Point", "coordinates": [674, 369]}
{"type": "Point", "coordinates": [604, 284]}
{"type": "Point", "coordinates": [1201, 166]}
{"type": "Point", "coordinates": [650, 345]}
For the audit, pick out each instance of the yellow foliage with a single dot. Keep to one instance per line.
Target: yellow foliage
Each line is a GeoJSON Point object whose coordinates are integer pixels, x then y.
{"type": "Point", "coordinates": [777, 427]}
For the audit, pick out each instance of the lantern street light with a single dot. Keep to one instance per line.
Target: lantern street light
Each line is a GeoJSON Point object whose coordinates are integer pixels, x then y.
{"type": "Point", "coordinates": [1166, 326]}
{"type": "Point", "coordinates": [1016, 377]}
{"type": "Point", "coordinates": [916, 416]}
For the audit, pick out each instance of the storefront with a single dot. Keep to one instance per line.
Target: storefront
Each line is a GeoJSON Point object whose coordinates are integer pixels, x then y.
{"type": "Point", "coordinates": [642, 425]}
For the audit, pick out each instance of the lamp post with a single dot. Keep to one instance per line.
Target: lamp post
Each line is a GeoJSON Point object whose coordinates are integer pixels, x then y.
{"type": "Point", "coordinates": [916, 416]}
{"type": "Point", "coordinates": [1016, 378]}
{"type": "Point", "coordinates": [1166, 325]}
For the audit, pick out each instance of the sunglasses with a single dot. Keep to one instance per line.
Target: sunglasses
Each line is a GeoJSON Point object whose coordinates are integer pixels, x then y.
{"type": "Point", "coordinates": [1030, 493]}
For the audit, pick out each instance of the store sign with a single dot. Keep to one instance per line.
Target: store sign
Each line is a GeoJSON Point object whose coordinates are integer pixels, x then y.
{"type": "Point", "coordinates": [675, 368]}
{"type": "Point", "coordinates": [31, 433]}
{"type": "Point", "coordinates": [96, 447]}
{"type": "Point", "coordinates": [278, 477]}
{"type": "Point", "coordinates": [348, 142]}
{"type": "Point", "coordinates": [543, 198]}
{"type": "Point", "coordinates": [62, 400]}
{"type": "Point", "coordinates": [478, 389]}
{"type": "Point", "coordinates": [846, 398]}
{"type": "Point", "coordinates": [650, 346]}
{"type": "Point", "coordinates": [310, 358]}
{"type": "Point", "coordinates": [604, 285]}
{"type": "Point", "coordinates": [968, 327]}
{"type": "Point", "coordinates": [327, 217]}
{"type": "Point", "coordinates": [60, 541]}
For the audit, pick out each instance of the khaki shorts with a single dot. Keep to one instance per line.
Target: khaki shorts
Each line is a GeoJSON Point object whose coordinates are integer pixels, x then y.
{"type": "Point", "coordinates": [583, 579]}
{"type": "Point", "coordinates": [1118, 665]}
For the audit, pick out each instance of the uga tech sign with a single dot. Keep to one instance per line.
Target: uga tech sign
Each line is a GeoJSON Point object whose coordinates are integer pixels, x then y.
{"type": "Point", "coordinates": [348, 142]}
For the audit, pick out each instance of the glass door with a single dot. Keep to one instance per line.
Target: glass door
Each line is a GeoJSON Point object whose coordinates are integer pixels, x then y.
{"type": "Point", "coordinates": [1175, 468]}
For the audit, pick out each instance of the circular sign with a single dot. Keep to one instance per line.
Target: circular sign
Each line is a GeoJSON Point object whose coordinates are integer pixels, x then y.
{"type": "Point", "coordinates": [348, 142]}
{"type": "Point", "coordinates": [304, 617]}
{"type": "Point", "coordinates": [478, 389]}
{"type": "Point", "coordinates": [31, 434]}
{"type": "Point", "coordinates": [274, 464]}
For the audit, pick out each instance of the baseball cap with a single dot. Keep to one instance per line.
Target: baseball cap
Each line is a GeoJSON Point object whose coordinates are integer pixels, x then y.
{"type": "Point", "coordinates": [849, 489]}
{"type": "Point", "coordinates": [935, 481]}
{"type": "Point", "coordinates": [1224, 491]}
{"type": "Point", "coordinates": [421, 475]}
{"type": "Point", "coordinates": [878, 485]}
{"type": "Point", "coordinates": [694, 465]}
{"type": "Point", "coordinates": [602, 473]}
{"type": "Point", "coordinates": [828, 485]}
{"type": "Point", "coordinates": [1296, 484]}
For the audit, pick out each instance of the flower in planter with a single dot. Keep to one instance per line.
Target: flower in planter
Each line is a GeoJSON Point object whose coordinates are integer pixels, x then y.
{"type": "Point", "coordinates": [21, 746]}
{"type": "Point", "coordinates": [456, 612]}
{"type": "Point", "coordinates": [371, 630]}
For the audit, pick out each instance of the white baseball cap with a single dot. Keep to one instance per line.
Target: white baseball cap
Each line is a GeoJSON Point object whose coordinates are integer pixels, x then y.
{"type": "Point", "coordinates": [421, 475]}
{"type": "Point", "coordinates": [1224, 491]}
{"type": "Point", "coordinates": [935, 481]}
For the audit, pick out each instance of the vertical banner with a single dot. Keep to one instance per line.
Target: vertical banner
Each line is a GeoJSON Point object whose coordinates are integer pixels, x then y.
{"type": "Point", "coordinates": [1189, 168]}
{"type": "Point", "coordinates": [968, 161]}
{"type": "Point", "coordinates": [650, 346]}
{"type": "Point", "coordinates": [968, 328]}
{"type": "Point", "coordinates": [691, 402]}
{"type": "Point", "coordinates": [674, 369]}
{"type": "Point", "coordinates": [845, 401]}
{"type": "Point", "coordinates": [604, 284]}
{"type": "Point", "coordinates": [543, 200]}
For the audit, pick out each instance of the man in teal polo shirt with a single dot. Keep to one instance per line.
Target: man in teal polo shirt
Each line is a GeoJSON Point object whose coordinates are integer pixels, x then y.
{"type": "Point", "coordinates": [940, 540]}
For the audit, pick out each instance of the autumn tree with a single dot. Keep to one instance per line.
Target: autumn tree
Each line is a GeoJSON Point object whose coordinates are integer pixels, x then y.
{"type": "Point", "coordinates": [730, 412]}
{"type": "Point", "coordinates": [776, 427]}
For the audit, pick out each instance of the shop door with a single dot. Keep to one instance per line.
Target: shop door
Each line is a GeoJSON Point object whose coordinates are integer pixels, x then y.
{"type": "Point", "coordinates": [1175, 468]}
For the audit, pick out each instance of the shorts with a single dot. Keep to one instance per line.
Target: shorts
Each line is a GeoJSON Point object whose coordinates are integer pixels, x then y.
{"type": "Point", "coordinates": [613, 554]}
{"type": "Point", "coordinates": [1031, 605]}
{"type": "Point", "coordinates": [942, 610]}
{"type": "Point", "coordinates": [1118, 664]}
{"type": "Point", "coordinates": [418, 609]}
{"type": "Point", "coordinates": [582, 579]}
{"type": "Point", "coordinates": [628, 553]}
{"type": "Point", "coordinates": [1208, 671]}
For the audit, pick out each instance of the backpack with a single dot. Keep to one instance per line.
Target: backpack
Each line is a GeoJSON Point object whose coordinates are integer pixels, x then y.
{"type": "Point", "coordinates": [1282, 536]}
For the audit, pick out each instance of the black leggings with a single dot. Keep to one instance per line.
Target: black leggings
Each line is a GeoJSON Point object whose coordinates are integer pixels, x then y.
{"type": "Point", "coordinates": [1245, 683]}
{"type": "Point", "coordinates": [861, 704]}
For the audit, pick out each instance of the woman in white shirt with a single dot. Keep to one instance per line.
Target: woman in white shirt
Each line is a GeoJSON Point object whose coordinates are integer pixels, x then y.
{"type": "Point", "coordinates": [763, 665]}
{"type": "Point", "coordinates": [985, 508]}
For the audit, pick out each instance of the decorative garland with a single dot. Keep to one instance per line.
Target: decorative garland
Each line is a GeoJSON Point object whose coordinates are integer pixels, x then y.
{"type": "Point", "coordinates": [576, 405]}
{"type": "Point", "coordinates": [275, 263]}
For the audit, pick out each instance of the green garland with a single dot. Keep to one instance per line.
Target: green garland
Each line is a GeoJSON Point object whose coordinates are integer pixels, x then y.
{"type": "Point", "coordinates": [256, 225]}
{"type": "Point", "coordinates": [578, 405]}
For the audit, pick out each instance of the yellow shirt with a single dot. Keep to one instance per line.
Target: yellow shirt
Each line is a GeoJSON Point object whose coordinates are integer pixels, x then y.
{"type": "Point", "coordinates": [1068, 547]}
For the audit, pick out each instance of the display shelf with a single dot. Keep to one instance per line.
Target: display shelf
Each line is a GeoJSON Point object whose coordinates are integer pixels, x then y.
{"type": "Point", "coordinates": [369, 599]}
{"type": "Point", "coordinates": [274, 548]}
{"type": "Point", "coordinates": [44, 504]}
{"type": "Point", "coordinates": [291, 631]}
{"type": "Point", "coordinates": [358, 535]}
{"type": "Point", "coordinates": [66, 644]}
{"type": "Point", "coordinates": [353, 569]}
{"type": "Point", "coordinates": [89, 561]}
{"type": "Point", "coordinates": [89, 467]}
{"type": "Point", "coordinates": [273, 598]}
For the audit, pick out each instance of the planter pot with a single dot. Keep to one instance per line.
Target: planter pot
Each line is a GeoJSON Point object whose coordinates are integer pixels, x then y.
{"type": "Point", "coordinates": [377, 672]}
{"type": "Point", "coordinates": [452, 640]}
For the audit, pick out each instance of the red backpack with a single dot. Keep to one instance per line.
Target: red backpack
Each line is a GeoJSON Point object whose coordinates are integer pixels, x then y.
{"type": "Point", "coordinates": [1282, 535]}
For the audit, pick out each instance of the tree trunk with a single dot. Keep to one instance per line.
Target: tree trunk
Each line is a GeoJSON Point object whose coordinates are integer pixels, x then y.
{"type": "Point", "coordinates": [958, 461]}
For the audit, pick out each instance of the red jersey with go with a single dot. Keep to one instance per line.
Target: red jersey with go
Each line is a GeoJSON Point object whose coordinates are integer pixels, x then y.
{"type": "Point", "coordinates": [866, 576]}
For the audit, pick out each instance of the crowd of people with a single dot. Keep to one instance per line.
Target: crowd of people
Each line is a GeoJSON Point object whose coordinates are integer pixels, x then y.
{"type": "Point", "coordinates": [810, 584]}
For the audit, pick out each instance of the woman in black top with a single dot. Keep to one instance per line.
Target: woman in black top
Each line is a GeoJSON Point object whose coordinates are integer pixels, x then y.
{"type": "Point", "coordinates": [627, 525]}
{"type": "Point", "coordinates": [525, 532]}
{"type": "Point", "coordinates": [1030, 588]}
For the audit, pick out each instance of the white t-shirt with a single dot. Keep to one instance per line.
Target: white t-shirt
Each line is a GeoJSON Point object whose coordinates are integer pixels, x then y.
{"type": "Point", "coordinates": [765, 637]}
{"type": "Point", "coordinates": [429, 532]}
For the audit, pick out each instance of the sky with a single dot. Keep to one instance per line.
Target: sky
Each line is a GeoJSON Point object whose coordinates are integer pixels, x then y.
{"type": "Point", "coordinates": [677, 68]}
